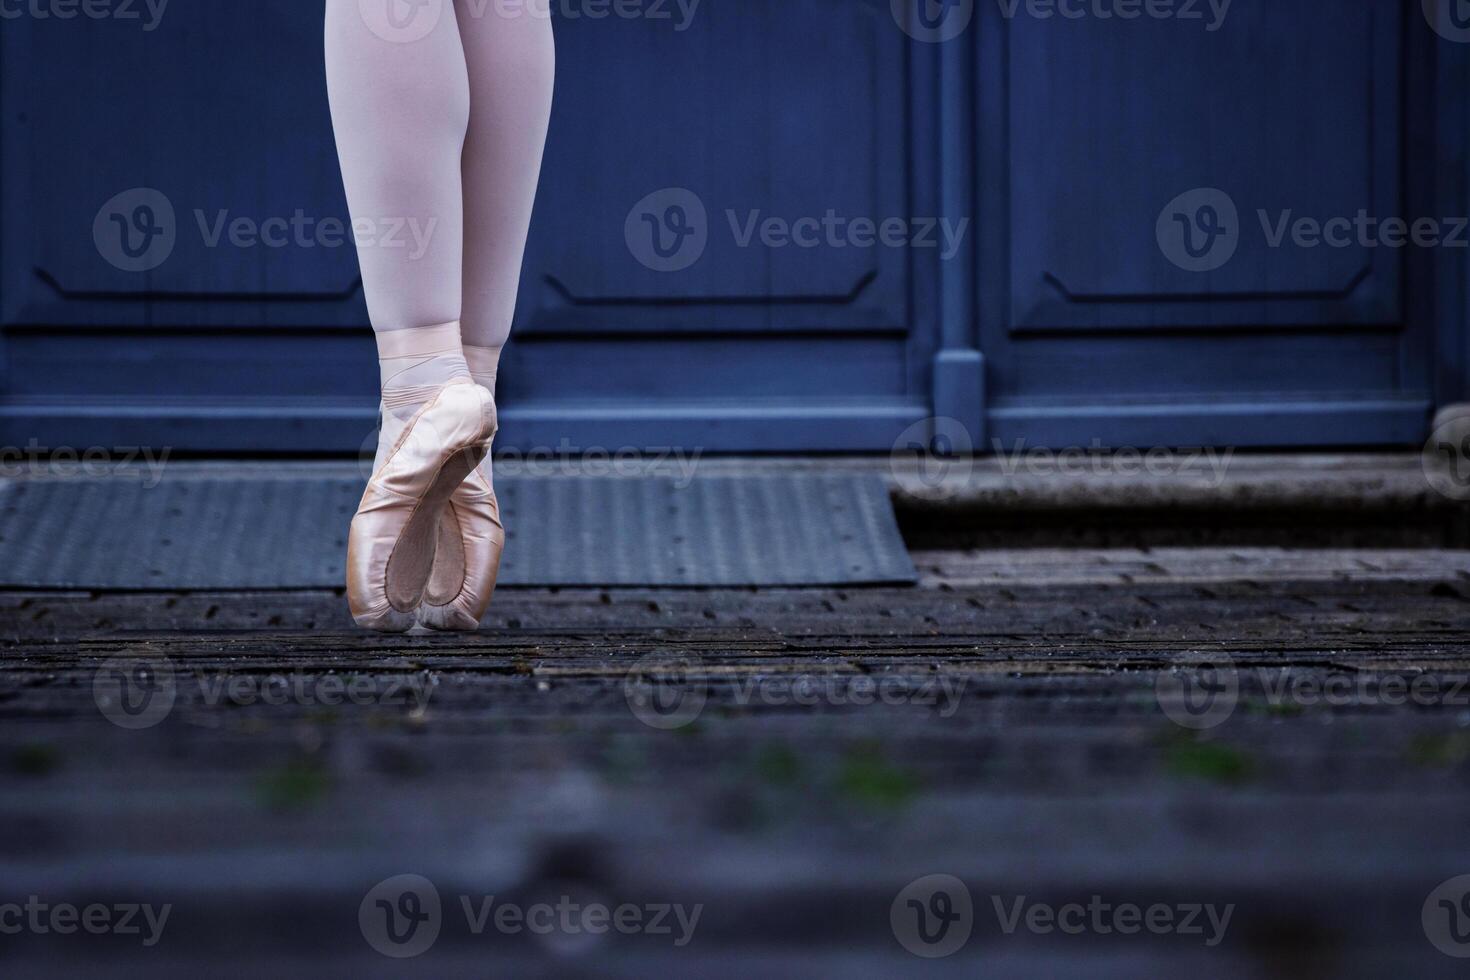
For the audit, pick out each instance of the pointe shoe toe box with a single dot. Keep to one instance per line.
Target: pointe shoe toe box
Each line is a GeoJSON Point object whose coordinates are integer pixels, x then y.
{"type": "Point", "coordinates": [393, 538]}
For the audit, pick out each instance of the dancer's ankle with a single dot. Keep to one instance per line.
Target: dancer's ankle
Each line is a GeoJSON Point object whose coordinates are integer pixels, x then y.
{"type": "Point", "coordinates": [484, 364]}
{"type": "Point", "coordinates": [416, 363]}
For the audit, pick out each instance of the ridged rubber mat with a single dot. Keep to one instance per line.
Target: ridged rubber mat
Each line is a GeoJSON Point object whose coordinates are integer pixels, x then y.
{"type": "Point", "coordinates": [291, 532]}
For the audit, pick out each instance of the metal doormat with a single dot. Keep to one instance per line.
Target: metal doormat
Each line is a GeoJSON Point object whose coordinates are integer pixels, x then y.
{"type": "Point", "coordinates": [254, 532]}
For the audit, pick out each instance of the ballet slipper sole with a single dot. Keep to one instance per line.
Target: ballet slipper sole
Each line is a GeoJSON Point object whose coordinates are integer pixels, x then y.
{"type": "Point", "coordinates": [448, 577]}
{"type": "Point", "coordinates": [411, 564]}
{"type": "Point", "coordinates": [471, 542]}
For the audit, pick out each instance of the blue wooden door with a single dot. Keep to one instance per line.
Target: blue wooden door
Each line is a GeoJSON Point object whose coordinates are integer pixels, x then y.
{"type": "Point", "coordinates": [770, 225]}
{"type": "Point", "coordinates": [691, 274]}
{"type": "Point", "coordinates": [1142, 186]}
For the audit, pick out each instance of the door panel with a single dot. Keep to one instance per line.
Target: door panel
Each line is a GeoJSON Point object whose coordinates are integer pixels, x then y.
{"type": "Point", "coordinates": [761, 110]}
{"type": "Point", "coordinates": [1289, 106]}
{"type": "Point", "coordinates": [1097, 135]}
{"type": "Point", "coordinates": [220, 111]}
{"type": "Point", "coordinates": [793, 110]}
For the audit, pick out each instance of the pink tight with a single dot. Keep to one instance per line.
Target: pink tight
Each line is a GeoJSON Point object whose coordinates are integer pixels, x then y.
{"type": "Point", "coordinates": [440, 109]}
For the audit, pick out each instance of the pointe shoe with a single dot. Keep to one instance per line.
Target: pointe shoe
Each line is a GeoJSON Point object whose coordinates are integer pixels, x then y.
{"type": "Point", "coordinates": [395, 534]}
{"type": "Point", "coordinates": [467, 560]}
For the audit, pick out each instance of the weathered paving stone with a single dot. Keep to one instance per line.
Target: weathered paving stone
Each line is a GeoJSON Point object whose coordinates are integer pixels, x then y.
{"type": "Point", "coordinates": [1024, 749]}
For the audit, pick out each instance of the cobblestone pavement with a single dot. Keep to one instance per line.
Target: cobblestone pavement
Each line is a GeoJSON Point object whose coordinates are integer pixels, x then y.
{"type": "Point", "coordinates": [1102, 748]}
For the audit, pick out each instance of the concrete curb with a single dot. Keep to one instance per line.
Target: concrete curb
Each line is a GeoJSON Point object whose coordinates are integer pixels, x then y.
{"type": "Point", "coordinates": [1044, 497]}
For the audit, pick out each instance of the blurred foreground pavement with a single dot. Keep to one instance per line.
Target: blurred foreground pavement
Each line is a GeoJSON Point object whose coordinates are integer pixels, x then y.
{"type": "Point", "coordinates": [1235, 761]}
